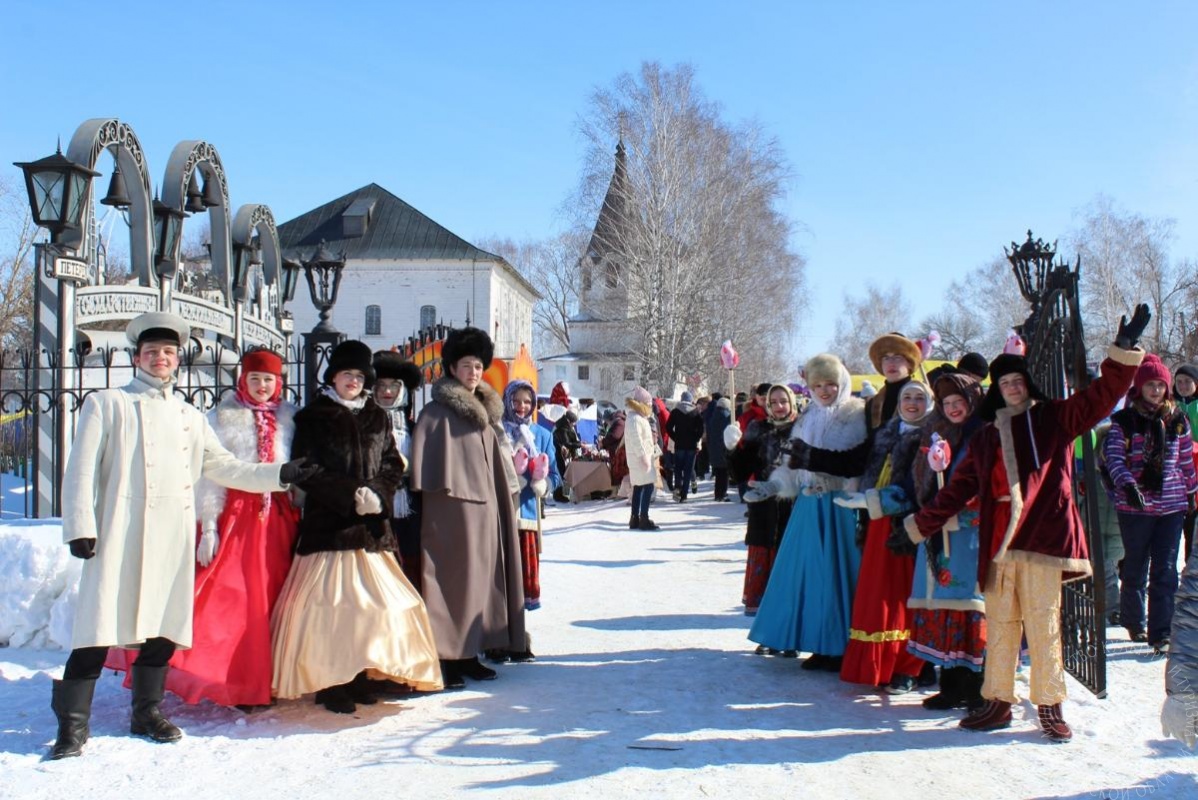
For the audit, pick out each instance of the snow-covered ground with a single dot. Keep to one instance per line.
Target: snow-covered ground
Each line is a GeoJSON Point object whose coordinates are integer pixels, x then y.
{"type": "Point", "coordinates": [644, 687]}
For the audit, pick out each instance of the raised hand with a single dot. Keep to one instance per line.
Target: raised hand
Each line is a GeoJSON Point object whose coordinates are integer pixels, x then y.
{"type": "Point", "coordinates": [1130, 332]}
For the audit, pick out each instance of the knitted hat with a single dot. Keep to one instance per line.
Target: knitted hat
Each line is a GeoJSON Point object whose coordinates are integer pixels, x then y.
{"type": "Point", "coordinates": [262, 361]}
{"type": "Point", "coordinates": [686, 397]}
{"type": "Point", "coordinates": [641, 395]}
{"type": "Point", "coordinates": [1189, 370]}
{"type": "Point", "coordinates": [462, 342]}
{"type": "Point", "coordinates": [1006, 364]}
{"type": "Point", "coordinates": [1151, 369]}
{"type": "Point", "coordinates": [895, 343]}
{"type": "Point", "coordinates": [974, 364]}
{"type": "Point", "coordinates": [392, 365]}
{"type": "Point", "coordinates": [824, 368]}
{"type": "Point", "coordinates": [351, 354]}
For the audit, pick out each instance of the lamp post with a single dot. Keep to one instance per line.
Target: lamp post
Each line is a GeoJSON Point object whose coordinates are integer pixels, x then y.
{"type": "Point", "coordinates": [58, 190]}
{"type": "Point", "coordinates": [323, 272]}
{"type": "Point", "coordinates": [168, 223]}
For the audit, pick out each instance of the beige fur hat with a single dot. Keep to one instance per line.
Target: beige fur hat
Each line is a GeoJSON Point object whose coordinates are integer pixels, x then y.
{"type": "Point", "coordinates": [824, 368]}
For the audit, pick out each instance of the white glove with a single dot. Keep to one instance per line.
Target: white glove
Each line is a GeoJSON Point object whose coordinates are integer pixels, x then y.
{"type": "Point", "coordinates": [209, 541]}
{"type": "Point", "coordinates": [761, 490]}
{"type": "Point", "coordinates": [1179, 718]}
{"type": "Point", "coordinates": [540, 487]}
{"type": "Point", "coordinates": [366, 502]}
{"type": "Point", "coordinates": [851, 500]}
{"type": "Point", "coordinates": [732, 436]}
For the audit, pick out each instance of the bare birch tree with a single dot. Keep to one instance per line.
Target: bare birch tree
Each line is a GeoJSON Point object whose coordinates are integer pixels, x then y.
{"type": "Point", "coordinates": [701, 252]}
{"type": "Point", "coordinates": [979, 311]}
{"type": "Point", "coordinates": [866, 317]}
{"type": "Point", "coordinates": [17, 235]}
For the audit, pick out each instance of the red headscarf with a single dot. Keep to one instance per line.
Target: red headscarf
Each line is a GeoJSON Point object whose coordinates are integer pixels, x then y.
{"type": "Point", "coordinates": [265, 423]}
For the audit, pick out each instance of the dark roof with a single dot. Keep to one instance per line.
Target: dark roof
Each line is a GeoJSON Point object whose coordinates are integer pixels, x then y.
{"type": "Point", "coordinates": [606, 234]}
{"type": "Point", "coordinates": [394, 230]}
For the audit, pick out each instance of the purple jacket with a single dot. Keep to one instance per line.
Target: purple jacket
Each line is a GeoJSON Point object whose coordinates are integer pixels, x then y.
{"type": "Point", "coordinates": [1123, 451]}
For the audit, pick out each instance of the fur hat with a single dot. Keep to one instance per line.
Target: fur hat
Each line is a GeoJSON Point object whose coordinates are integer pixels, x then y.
{"type": "Point", "coordinates": [824, 368]}
{"type": "Point", "coordinates": [974, 364]}
{"type": "Point", "coordinates": [262, 361]}
{"type": "Point", "coordinates": [1151, 369]}
{"type": "Point", "coordinates": [895, 343]}
{"type": "Point", "coordinates": [462, 342]}
{"type": "Point", "coordinates": [351, 354]}
{"type": "Point", "coordinates": [1006, 364]}
{"type": "Point", "coordinates": [390, 364]}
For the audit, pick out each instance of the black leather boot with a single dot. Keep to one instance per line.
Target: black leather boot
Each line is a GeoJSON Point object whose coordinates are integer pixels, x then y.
{"type": "Point", "coordinates": [648, 524]}
{"type": "Point", "coordinates": [147, 719]}
{"type": "Point", "coordinates": [634, 523]}
{"type": "Point", "coordinates": [71, 702]}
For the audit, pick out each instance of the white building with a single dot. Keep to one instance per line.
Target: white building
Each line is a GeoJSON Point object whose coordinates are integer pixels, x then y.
{"type": "Point", "coordinates": [603, 361]}
{"type": "Point", "coordinates": [404, 272]}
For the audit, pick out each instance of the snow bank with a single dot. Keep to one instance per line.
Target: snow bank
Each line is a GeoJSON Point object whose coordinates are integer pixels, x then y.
{"type": "Point", "coordinates": [39, 581]}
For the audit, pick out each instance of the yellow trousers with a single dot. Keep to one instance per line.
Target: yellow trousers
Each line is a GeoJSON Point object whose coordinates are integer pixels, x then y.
{"type": "Point", "coordinates": [1023, 599]}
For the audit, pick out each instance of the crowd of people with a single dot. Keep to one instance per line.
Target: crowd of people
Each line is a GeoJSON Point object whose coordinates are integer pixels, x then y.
{"type": "Point", "coordinates": [352, 548]}
{"type": "Point", "coordinates": [345, 550]}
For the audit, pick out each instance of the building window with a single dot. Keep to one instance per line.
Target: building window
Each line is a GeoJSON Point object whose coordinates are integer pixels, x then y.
{"type": "Point", "coordinates": [428, 317]}
{"type": "Point", "coordinates": [584, 372]}
{"type": "Point", "coordinates": [629, 372]}
{"type": "Point", "coordinates": [374, 320]}
{"type": "Point", "coordinates": [605, 379]}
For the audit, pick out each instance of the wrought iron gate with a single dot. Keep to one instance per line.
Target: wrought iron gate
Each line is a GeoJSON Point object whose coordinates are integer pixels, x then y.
{"type": "Point", "coordinates": [1056, 355]}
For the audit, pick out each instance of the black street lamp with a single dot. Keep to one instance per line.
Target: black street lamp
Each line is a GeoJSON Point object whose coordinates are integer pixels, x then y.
{"type": "Point", "coordinates": [323, 271]}
{"type": "Point", "coordinates": [168, 222]}
{"type": "Point", "coordinates": [56, 187]}
{"type": "Point", "coordinates": [244, 257]}
{"type": "Point", "coordinates": [290, 279]}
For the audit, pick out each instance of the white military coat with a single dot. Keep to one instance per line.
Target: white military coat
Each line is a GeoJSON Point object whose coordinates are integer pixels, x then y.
{"type": "Point", "coordinates": [130, 485]}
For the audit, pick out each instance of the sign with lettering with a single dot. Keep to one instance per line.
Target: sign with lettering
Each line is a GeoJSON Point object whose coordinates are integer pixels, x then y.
{"type": "Point", "coordinates": [257, 333]}
{"type": "Point", "coordinates": [71, 269]}
{"type": "Point", "coordinates": [100, 303]}
{"type": "Point", "coordinates": [202, 314]}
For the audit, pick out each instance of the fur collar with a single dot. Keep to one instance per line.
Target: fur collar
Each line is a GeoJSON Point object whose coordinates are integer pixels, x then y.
{"type": "Point", "coordinates": [481, 408]}
{"type": "Point", "coordinates": [234, 426]}
{"type": "Point", "coordinates": [637, 406]}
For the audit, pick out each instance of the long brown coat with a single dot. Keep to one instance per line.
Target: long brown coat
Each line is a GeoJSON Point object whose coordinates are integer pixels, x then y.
{"type": "Point", "coordinates": [471, 568]}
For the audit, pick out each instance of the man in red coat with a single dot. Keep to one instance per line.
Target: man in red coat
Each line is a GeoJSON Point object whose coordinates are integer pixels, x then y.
{"type": "Point", "coordinates": [1020, 467]}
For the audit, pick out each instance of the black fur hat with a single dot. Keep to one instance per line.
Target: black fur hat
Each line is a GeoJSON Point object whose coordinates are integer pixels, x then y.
{"type": "Point", "coordinates": [463, 342]}
{"type": "Point", "coordinates": [1006, 364]}
{"type": "Point", "coordinates": [389, 364]}
{"type": "Point", "coordinates": [351, 354]}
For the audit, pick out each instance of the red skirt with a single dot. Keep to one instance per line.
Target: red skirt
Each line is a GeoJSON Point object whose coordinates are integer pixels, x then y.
{"type": "Point", "coordinates": [757, 574]}
{"type": "Point", "coordinates": [229, 661]}
{"type": "Point", "coordinates": [949, 638]}
{"type": "Point", "coordinates": [530, 563]}
{"type": "Point", "coordinates": [881, 622]}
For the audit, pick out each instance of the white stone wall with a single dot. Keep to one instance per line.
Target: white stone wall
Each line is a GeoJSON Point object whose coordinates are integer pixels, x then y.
{"type": "Point", "coordinates": [402, 288]}
{"type": "Point", "coordinates": [606, 381]}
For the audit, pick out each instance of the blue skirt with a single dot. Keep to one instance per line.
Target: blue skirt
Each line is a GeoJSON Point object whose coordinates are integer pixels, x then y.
{"type": "Point", "coordinates": [808, 602]}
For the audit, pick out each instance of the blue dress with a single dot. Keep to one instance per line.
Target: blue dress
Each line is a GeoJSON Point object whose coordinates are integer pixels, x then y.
{"type": "Point", "coordinates": [808, 602]}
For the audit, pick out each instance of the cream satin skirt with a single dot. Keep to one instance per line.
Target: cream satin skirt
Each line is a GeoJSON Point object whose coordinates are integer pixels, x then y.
{"type": "Point", "coordinates": [346, 611]}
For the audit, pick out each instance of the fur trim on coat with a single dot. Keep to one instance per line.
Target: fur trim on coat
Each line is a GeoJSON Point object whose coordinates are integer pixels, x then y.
{"type": "Point", "coordinates": [234, 426]}
{"type": "Point", "coordinates": [482, 408]}
{"type": "Point", "coordinates": [356, 449]}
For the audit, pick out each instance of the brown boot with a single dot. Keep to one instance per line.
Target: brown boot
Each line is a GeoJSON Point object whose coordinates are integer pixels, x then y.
{"type": "Point", "coordinates": [1053, 724]}
{"type": "Point", "coordinates": [990, 717]}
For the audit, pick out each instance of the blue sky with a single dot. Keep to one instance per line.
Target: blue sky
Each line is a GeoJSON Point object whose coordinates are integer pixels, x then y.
{"type": "Point", "coordinates": [922, 135]}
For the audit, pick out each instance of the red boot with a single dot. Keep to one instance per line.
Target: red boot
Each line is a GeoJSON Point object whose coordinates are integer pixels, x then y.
{"type": "Point", "coordinates": [990, 717]}
{"type": "Point", "coordinates": [1053, 724]}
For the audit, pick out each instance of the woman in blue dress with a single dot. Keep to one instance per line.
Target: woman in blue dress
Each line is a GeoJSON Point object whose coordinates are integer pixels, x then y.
{"type": "Point", "coordinates": [808, 601]}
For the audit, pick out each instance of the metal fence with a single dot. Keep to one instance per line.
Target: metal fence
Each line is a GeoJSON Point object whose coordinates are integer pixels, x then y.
{"type": "Point", "coordinates": [39, 395]}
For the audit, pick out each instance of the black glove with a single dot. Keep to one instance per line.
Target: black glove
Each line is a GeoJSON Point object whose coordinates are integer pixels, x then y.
{"type": "Point", "coordinates": [800, 454]}
{"type": "Point", "coordinates": [1191, 504]}
{"type": "Point", "coordinates": [82, 548]}
{"type": "Point", "coordinates": [298, 471]}
{"type": "Point", "coordinates": [1135, 498]}
{"type": "Point", "coordinates": [1129, 332]}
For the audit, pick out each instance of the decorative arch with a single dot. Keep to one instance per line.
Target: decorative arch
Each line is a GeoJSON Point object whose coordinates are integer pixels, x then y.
{"type": "Point", "coordinates": [190, 155]}
{"type": "Point", "coordinates": [90, 139]}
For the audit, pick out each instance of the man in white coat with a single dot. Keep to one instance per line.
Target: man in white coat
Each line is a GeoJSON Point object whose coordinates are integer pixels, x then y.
{"type": "Point", "coordinates": [129, 512]}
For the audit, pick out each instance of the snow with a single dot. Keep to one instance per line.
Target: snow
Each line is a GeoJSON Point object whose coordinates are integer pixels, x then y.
{"type": "Point", "coordinates": [645, 686]}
